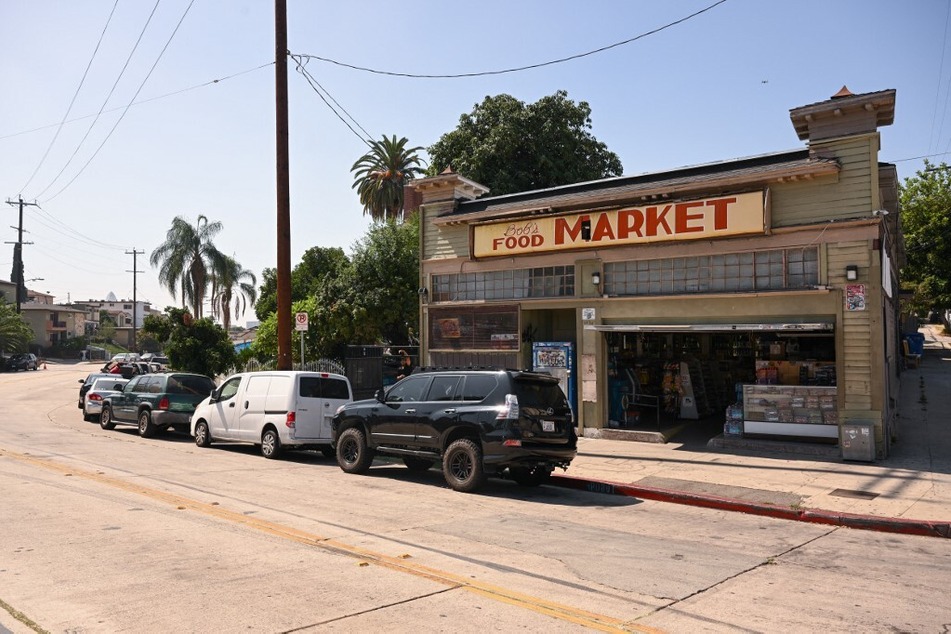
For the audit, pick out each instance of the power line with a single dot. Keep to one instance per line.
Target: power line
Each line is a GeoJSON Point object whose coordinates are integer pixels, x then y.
{"type": "Point", "coordinates": [73, 100]}
{"type": "Point", "coordinates": [519, 68]}
{"type": "Point", "coordinates": [320, 90]}
{"type": "Point", "coordinates": [916, 158]}
{"type": "Point", "coordinates": [936, 141]}
{"type": "Point", "coordinates": [106, 101]}
{"type": "Point", "coordinates": [144, 101]}
{"type": "Point", "coordinates": [129, 105]}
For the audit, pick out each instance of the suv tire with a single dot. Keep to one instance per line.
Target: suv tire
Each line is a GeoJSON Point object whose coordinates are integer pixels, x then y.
{"type": "Point", "coordinates": [353, 455]}
{"type": "Point", "coordinates": [105, 418]}
{"type": "Point", "coordinates": [146, 428]}
{"type": "Point", "coordinates": [462, 466]}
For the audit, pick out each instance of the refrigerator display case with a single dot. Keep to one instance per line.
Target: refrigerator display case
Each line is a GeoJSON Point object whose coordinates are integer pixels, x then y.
{"type": "Point", "coordinates": [791, 410]}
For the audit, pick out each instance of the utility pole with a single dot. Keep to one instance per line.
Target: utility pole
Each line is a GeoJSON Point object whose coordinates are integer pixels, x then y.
{"type": "Point", "coordinates": [284, 353]}
{"type": "Point", "coordinates": [18, 251]}
{"type": "Point", "coordinates": [135, 304]}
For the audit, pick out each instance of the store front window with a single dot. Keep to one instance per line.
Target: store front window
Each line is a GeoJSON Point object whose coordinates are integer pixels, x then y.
{"type": "Point", "coordinates": [547, 281]}
{"type": "Point", "coordinates": [488, 328]}
{"type": "Point", "coordinates": [776, 269]}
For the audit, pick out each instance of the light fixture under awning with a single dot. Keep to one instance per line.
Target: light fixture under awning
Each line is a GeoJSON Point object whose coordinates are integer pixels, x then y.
{"type": "Point", "coordinates": [774, 327]}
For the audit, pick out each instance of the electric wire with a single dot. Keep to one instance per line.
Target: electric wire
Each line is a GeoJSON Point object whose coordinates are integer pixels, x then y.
{"type": "Point", "coordinates": [106, 101]}
{"type": "Point", "coordinates": [72, 233]}
{"type": "Point", "coordinates": [72, 101]}
{"type": "Point", "coordinates": [519, 68]}
{"type": "Point", "coordinates": [321, 91]}
{"type": "Point", "coordinates": [144, 101]}
{"type": "Point", "coordinates": [936, 140]}
{"type": "Point", "coordinates": [916, 158]}
{"type": "Point", "coordinates": [129, 105]}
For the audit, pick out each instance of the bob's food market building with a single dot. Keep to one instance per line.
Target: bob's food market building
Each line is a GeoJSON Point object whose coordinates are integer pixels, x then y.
{"type": "Point", "coordinates": [762, 290]}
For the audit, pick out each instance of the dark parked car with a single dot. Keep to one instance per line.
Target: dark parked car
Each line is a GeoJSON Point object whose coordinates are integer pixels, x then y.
{"type": "Point", "coordinates": [475, 422]}
{"type": "Point", "coordinates": [22, 361]}
{"type": "Point", "coordinates": [156, 401]}
{"type": "Point", "coordinates": [87, 383]}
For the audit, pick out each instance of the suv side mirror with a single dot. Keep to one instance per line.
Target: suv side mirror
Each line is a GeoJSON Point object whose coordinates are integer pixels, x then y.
{"type": "Point", "coordinates": [380, 396]}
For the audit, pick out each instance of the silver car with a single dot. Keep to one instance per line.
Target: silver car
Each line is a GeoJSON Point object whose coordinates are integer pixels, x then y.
{"type": "Point", "coordinates": [101, 388]}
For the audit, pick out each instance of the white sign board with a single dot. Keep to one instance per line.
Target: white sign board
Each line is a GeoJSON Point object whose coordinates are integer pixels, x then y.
{"type": "Point", "coordinates": [300, 321]}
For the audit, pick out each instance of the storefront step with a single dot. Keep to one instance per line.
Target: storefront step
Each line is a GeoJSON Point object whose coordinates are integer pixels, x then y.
{"type": "Point", "coordinates": [636, 435]}
{"type": "Point", "coordinates": [762, 445]}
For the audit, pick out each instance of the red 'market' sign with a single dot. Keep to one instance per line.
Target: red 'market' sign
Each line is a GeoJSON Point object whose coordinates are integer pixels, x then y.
{"type": "Point", "coordinates": [682, 220]}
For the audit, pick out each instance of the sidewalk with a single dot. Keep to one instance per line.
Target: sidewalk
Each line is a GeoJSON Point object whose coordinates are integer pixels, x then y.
{"type": "Point", "coordinates": [910, 491]}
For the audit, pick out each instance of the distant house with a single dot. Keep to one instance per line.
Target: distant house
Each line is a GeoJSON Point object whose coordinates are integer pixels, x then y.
{"type": "Point", "coordinates": [8, 291]}
{"type": "Point", "coordinates": [125, 312]}
{"type": "Point", "coordinates": [243, 339]}
{"type": "Point", "coordinates": [53, 323]}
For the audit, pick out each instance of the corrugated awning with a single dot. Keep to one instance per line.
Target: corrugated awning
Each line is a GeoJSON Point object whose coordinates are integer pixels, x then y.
{"type": "Point", "coordinates": [769, 327]}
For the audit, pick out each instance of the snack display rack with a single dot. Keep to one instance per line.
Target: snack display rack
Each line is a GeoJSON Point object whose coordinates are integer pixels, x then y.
{"type": "Point", "coordinates": [790, 410]}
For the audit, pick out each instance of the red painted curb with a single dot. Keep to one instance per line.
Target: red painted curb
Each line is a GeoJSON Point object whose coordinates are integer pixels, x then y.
{"type": "Point", "coordinates": [904, 526]}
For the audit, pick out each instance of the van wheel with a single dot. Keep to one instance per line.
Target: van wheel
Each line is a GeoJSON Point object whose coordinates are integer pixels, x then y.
{"type": "Point", "coordinates": [270, 444]}
{"type": "Point", "coordinates": [530, 476]}
{"type": "Point", "coordinates": [417, 465]}
{"type": "Point", "coordinates": [146, 428]}
{"type": "Point", "coordinates": [353, 454]}
{"type": "Point", "coordinates": [462, 466]}
{"type": "Point", "coordinates": [105, 418]}
{"type": "Point", "coordinates": [202, 435]}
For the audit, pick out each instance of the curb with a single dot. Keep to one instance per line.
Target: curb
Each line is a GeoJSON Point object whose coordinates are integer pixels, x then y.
{"type": "Point", "coordinates": [927, 528]}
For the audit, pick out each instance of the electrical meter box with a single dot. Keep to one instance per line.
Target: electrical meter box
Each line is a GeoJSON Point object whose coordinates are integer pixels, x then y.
{"type": "Point", "coordinates": [857, 440]}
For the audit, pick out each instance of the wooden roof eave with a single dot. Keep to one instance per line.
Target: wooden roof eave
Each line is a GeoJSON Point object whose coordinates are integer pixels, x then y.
{"type": "Point", "coordinates": [634, 194]}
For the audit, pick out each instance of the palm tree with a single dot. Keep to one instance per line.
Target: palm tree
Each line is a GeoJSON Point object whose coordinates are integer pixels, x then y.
{"type": "Point", "coordinates": [185, 259]}
{"type": "Point", "coordinates": [381, 173]}
{"type": "Point", "coordinates": [231, 283]}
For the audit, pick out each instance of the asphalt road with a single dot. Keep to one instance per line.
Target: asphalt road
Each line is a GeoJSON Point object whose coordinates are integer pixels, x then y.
{"type": "Point", "coordinates": [104, 531]}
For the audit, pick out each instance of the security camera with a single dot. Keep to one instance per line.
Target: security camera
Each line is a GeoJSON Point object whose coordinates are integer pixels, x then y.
{"type": "Point", "coordinates": [880, 212]}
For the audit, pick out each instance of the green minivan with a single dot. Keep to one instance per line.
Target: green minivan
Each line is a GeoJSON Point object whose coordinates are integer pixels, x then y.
{"type": "Point", "coordinates": [156, 401]}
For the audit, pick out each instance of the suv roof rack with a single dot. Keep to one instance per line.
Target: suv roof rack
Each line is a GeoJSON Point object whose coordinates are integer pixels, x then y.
{"type": "Point", "coordinates": [456, 368]}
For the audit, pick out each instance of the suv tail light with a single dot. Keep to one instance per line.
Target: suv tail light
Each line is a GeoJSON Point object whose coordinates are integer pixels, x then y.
{"type": "Point", "coordinates": [510, 409]}
{"type": "Point", "coordinates": [163, 403]}
{"type": "Point", "coordinates": [95, 397]}
{"type": "Point", "coordinates": [291, 420]}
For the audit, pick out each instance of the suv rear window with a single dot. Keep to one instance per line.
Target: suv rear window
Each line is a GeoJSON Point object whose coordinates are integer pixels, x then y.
{"type": "Point", "coordinates": [540, 394]}
{"type": "Point", "coordinates": [195, 385]}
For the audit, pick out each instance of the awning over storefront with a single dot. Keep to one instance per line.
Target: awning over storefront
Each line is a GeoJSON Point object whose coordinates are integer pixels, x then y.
{"type": "Point", "coordinates": [769, 327]}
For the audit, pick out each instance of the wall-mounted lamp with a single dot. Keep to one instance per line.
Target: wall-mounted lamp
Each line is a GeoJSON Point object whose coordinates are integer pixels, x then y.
{"type": "Point", "coordinates": [423, 293]}
{"type": "Point", "coordinates": [851, 272]}
{"type": "Point", "coordinates": [596, 278]}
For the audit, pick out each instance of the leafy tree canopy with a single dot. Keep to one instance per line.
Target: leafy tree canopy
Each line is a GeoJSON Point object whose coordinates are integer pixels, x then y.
{"type": "Point", "coordinates": [317, 265]}
{"type": "Point", "coordinates": [192, 345]}
{"type": "Point", "coordinates": [15, 333]}
{"type": "Point", "coordinates": [367, 299]}
{"type": "Point", "coordinates": [510, 147]}
{"type": "Point", "coordinates": [926, 225]}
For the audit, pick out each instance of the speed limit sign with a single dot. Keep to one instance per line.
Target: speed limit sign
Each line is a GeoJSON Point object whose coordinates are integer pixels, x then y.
{"type": "Point", "coordinates": [300, 321]}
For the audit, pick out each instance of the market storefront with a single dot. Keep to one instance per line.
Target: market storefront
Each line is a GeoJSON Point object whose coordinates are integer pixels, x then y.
{"type": "Point", "coordinates": [758, 290]}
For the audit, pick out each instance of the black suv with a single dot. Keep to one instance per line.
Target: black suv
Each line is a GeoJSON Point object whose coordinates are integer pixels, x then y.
{"type": "Point", "coordinates": [477, 422]}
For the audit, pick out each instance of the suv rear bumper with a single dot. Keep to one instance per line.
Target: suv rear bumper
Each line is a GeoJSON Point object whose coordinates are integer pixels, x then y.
{"type": "Point", "coordinates": [499, 455]}
{"type": "Point", "coordinates": [178, 420]}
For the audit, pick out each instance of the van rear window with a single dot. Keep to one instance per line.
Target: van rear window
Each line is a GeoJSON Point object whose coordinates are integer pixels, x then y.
{"type": "Point", "coordinates": [324, 387]}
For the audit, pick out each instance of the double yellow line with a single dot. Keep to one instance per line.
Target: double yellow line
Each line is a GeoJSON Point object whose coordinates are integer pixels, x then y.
{"type": "Point", "coordinates": [559, 611]}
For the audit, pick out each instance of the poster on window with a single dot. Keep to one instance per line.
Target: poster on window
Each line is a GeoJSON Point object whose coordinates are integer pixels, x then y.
{"type": "Point", "coordinates": [855, 297]}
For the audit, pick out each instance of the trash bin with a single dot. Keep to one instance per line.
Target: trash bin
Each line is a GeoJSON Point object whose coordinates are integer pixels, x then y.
{"type": "Point", "coordinates": [916, 342]}
{"type": "Point", "coordinates": [857, 440]}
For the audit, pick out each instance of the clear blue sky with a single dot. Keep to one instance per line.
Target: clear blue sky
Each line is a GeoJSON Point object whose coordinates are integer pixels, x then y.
{"type": "Point", "coordinates": [716, 87]}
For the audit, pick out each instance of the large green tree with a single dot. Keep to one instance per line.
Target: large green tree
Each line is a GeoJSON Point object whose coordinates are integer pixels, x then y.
{"type": "Point", "coordinates": [192, 345]}
{"type": "Point", "coordinates": [318, 267]}
{"type": "Point", "coordinates": [510, 146]}
{"type": "Point", "coordinates": [926, 225]}
{"type": "Point", "coordinates": [381, 174]}
{"type": "Point", "coordinates": [15, 333]}
{"type": "Point", "coordinates": [186, 259]}
{"type": "Point", "coordinates": [231, 286]}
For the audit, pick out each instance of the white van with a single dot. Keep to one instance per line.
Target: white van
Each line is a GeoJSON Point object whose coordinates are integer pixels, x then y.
{"type": "Point", "coordinates": [274, 410]}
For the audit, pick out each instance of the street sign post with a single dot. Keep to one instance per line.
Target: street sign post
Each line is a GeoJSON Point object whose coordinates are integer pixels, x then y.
{"type": "Point", "coordinates": [301, 324]}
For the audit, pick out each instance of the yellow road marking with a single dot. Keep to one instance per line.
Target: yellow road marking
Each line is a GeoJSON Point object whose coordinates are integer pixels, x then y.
{"type": "Point", "coordinates": [504, 595]}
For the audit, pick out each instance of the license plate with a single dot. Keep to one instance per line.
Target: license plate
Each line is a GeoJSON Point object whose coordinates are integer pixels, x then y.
{"type": "Point", "coordinates": [548, 425]}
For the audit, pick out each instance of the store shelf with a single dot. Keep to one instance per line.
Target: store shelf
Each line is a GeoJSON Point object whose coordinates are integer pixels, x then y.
{"type": "Point", "coordinates": [790, 410]}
